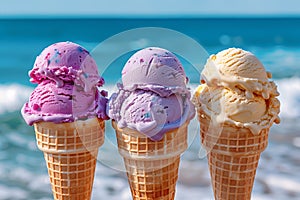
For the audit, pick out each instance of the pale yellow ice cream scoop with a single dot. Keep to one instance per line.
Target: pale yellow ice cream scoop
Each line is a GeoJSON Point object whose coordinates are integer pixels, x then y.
{"type": "Point", "coordinates": [238, 68]}
{"type": "Point", "coordinates": [239, 63]}
{"type": "Point", "coordinates": [236, 90]}
{"type": "Point", "coordinates": [233, 105]}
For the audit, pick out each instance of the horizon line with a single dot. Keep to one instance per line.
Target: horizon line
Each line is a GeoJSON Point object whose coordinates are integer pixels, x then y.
{"type": "Point", "coordinates": [143, 16]}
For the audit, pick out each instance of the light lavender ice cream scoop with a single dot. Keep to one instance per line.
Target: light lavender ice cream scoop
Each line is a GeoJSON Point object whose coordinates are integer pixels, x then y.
{"type": "Point", "coordinates": [153, 67]}
{"type": "Point", "coordinates": [153, 98]}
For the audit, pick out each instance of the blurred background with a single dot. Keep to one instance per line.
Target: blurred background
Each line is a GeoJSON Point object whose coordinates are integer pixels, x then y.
{"type": "Point", "coordinates": [270, 29]}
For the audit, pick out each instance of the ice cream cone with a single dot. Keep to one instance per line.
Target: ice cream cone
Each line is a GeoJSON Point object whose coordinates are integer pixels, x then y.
{"type": "Point", "coordinates": [152, 166]}
{"type": "Point", "coordinates": [233, 155]}
{"type": "Point", "coordinates": [70, 151]}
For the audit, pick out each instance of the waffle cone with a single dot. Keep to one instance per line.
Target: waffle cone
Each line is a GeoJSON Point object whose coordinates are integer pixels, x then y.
{"type": "Point", "coordinates": [233, 155]}
{"type": "Point", "coordinates": [70, 151]}
{"type": "Point", "coordinates": [152, 166]}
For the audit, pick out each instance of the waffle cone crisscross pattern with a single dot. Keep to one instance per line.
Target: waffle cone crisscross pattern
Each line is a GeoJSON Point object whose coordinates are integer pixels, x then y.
{"type": "Point", "coordinates": [70, 151]}
{"type": "Point", "coordinates": [233, 155]}
{"type": "Point", "coordinates": [152, 166]}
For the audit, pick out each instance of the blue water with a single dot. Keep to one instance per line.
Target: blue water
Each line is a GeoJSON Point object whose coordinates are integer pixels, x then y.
{"type": "Point", "coordinates": [275, 41]}
{"type": "Point", "coordinates": [22, 40]}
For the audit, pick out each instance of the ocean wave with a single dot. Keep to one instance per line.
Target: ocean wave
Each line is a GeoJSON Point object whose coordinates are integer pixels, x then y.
{"type": "Point", "coordinates": [289, 97]}
{"type": "Point", "coordinates": [283, 62]}
{"type": "Point", "coordinates": [13, 96]}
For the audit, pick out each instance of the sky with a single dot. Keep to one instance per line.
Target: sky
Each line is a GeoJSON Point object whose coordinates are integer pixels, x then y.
{"type": "Point", "coordinates": [133, 8]}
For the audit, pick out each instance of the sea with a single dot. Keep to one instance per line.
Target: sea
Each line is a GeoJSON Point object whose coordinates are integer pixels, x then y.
{"type": "Point", "coordinates": [274, 40]}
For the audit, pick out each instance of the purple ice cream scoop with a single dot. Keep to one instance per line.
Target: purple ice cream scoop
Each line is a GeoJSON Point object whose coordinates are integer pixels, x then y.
{"type": "Point", "coordinates": [66, 62]}
{"type": "Point", "coordinates": [67, 78]}
{"type": "Point", "coordinates": [153, 98]}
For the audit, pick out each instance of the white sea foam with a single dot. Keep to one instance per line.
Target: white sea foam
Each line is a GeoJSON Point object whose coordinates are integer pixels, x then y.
{"type": "Point", "coordinates": [12, 193]}
{"type": "Point", "coordinates": [13, 96]}
{"type": "Point", "coordinates": [289, 90]}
